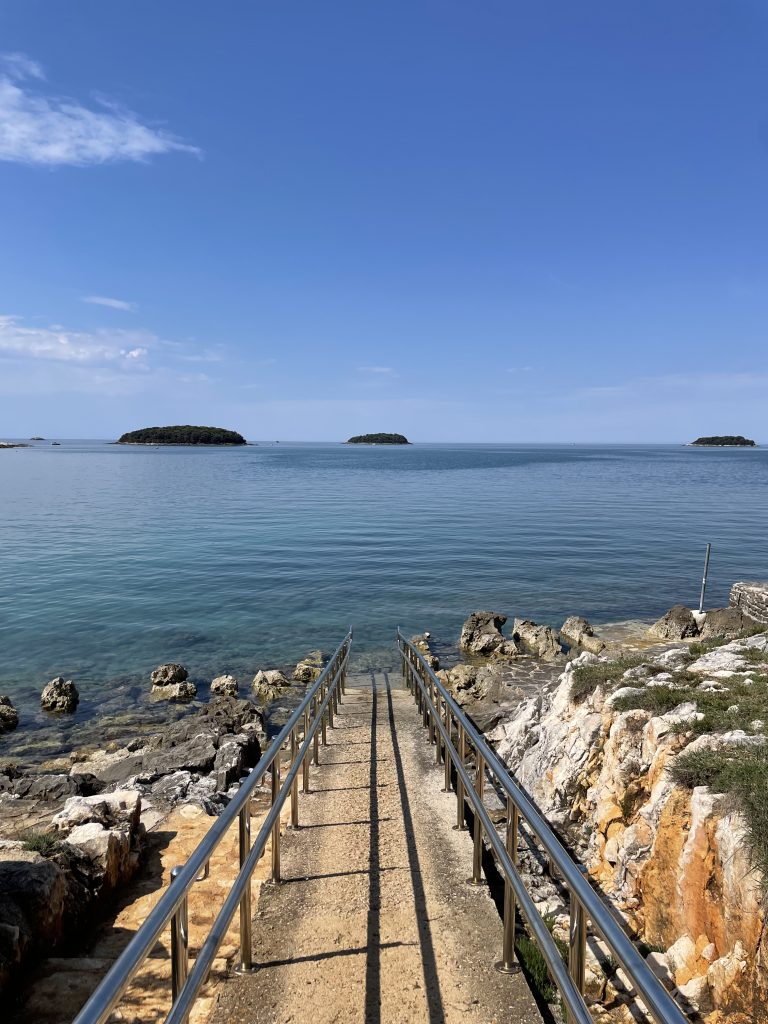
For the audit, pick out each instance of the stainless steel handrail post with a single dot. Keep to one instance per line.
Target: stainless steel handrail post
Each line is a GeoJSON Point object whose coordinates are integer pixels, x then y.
{"type": "Point", "coordinates": [246, 956]}
{"type": "Point", "coordinates": [446, 755]}
{"type": "Point", "coordinates": [276, 826]}
{"type": "Point", "coordinates": [295, 783]}
{"type": "Point", "coordinates": [179, 942]}
{"type": "Point", "coordinates": [438, 741]}
{"type": "Point", "coordinates": [577, 947]}
{"type": "Point", "coordinates": [316, 737]}
{"type": "Point", "coordinates": [431, 712]}
{"type": "Point", "coordinates": [477, 853]}
{"type": "Point", "coordinates": [508, 963]}
{"type": "Point", "coordinates": [459, 826]}
{"type": "Point", "coordinates": [330, 707]}
{"type": "Point", "coordinates": [305, 763]}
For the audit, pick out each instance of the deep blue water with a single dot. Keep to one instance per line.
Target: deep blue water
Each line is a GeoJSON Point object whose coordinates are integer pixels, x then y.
{"type": "Point", "coordinates": [115, 559]}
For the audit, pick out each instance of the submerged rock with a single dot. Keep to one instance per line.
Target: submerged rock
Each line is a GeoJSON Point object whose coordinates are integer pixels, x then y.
{"type": "Point", "coordinates": [539, 640]}
{"type": "Point", "coordinates": [9, 716]}
{"type": "Point", "coordinates": [60, 696]}
{"type": "Point", "coordinates": [481, 634]}
{"type": "Point", "coordinates": [169, 673]}
{"type": "Point", "coordinates": [225, 686]}
{"type": "Point", "coordinates": [679, 623]}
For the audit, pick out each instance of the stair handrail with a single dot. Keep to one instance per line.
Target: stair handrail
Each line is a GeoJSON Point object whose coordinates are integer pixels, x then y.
{"type": "Point", "coordinates": [586, 903]}
{"type": "Point", "coordinates": [171, 909]}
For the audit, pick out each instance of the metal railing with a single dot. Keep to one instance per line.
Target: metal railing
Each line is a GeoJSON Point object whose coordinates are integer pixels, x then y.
{"type": "Point", "coordinates": [454, 736]}
{"type": "Point", "coordinates": [304, 731]}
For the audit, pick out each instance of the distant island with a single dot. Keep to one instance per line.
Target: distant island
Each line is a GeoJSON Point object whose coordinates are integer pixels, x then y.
{"type": "Point", "coordinates": [726, 441]}
{"type": "Point", "coordinates": [378, 439]}
{"type": "Point", "coordinates": [182, 435]}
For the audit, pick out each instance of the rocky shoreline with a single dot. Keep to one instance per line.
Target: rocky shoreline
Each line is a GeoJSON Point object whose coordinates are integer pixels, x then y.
{"type": "Point", "coordinates": [73, 832]}
{"type": "Point", "coordinates": [592, 725]}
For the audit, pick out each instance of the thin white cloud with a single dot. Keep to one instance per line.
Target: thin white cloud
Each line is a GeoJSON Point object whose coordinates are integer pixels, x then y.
{"type": "Point", "coordinates": [383, 371]}
{"type": "Point", "coordinates": [20, 66]}
{"type": "Point", "coordinates": [56, 344]}
{"type": "Point", "coordinates": [36, 128]}
{"type": "Point", "coordinates": [103, 300]}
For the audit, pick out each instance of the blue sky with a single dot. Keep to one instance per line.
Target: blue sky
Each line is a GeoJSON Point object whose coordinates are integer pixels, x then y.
{"type": "Point", "coordinates": [495, 221]}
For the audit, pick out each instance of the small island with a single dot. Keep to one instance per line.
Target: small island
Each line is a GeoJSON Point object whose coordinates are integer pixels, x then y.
{"type": "Point", "coordinates": [378, 439]}
{"type": "Point", "coordinates": [182, 435]}
{"type": "Point", "coordinates": [726, 441]}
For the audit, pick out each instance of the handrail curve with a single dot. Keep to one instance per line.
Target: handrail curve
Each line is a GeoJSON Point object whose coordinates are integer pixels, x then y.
{"type": "Point", "coordinates": [654, 995]}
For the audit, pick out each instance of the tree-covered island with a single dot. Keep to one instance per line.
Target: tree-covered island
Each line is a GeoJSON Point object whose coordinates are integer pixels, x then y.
{"type": "Point", "coordinates": [182, 435]}
{"type": "Point", "coordinates": [378, 439]}
{"type": "Point", "coordinates": [724, 441]}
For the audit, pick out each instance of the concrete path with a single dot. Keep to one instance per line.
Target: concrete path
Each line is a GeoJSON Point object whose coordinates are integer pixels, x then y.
{"type": "Point", "coordinates": [374, 921]}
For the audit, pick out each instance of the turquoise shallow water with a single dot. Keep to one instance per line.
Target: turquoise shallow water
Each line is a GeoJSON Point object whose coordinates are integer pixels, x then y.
{"type": "Point", "coordinates": [115, 559]}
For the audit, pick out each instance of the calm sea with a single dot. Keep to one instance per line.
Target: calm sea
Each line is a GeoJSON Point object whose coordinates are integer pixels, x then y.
{"type": "Point", "coordinates": [115, 558]}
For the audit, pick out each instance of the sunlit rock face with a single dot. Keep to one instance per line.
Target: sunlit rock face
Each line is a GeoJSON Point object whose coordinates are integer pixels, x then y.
{"type": "Point", "coordinates": [674, 861]}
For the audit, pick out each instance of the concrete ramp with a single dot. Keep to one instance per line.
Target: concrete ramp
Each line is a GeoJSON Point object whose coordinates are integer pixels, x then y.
{"type": "Point", "coordinates": [374, 920]}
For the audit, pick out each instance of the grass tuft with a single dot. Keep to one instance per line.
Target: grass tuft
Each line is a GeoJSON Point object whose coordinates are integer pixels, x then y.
{"type": "Point", "coordinates": [735, 708]}
{"type": "Point", "coordinates": [45, 843]}
{"type": "Point", "coordinates": [535, 966]}
{"type": "Point", "coordinates": [587, 678]}
{"type": "Point", "coordinates": [754, 656]}
{"type": "Point", "coordinates": [656, 699]}
{"type": "Point", "coordinates": [535, 969]}
{"type": "Point", "coordinates": [700, 647]}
